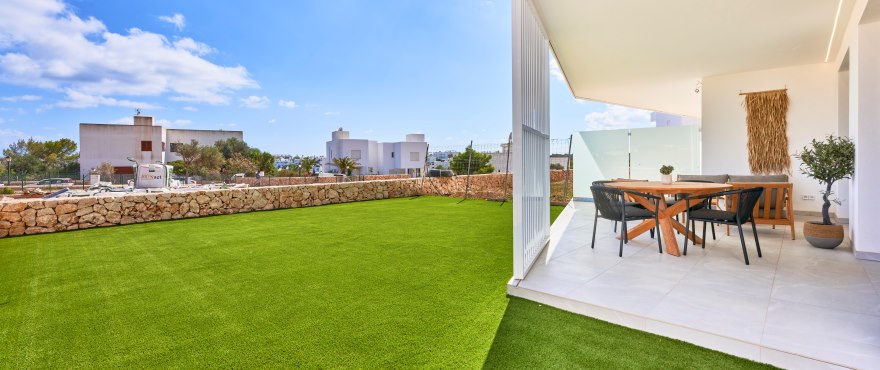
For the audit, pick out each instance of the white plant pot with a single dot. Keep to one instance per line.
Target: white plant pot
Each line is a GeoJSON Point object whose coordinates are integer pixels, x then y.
{"type": "Point", "coordinates": [666, 179]}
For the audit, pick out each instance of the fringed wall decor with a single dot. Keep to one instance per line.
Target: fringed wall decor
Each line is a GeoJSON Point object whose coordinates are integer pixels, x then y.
{"type": "Point", "coordinates": [766, 125]}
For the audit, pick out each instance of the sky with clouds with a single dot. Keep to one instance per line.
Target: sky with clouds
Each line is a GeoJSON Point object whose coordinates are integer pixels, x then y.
{"type": "Point", "coordinates": [287, 73]}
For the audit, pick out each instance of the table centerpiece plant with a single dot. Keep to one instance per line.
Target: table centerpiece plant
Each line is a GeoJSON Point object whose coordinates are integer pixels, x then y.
{"type": "Point", "coordinates": [666, 174]}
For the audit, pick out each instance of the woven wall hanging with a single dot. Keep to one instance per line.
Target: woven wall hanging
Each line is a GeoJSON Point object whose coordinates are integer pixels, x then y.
{"type": "Point", "coordinates": [766, 125]}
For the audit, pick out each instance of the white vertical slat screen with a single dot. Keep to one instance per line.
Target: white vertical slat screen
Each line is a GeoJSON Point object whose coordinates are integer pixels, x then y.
{"type": "Point", "coordinates": [531, 140]}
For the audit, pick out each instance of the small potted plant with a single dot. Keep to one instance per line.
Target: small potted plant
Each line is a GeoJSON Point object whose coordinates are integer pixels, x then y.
{"type": "Point", "coordinates": [827, 161]}
{"type": "Point", "coordinates": [666, 174]}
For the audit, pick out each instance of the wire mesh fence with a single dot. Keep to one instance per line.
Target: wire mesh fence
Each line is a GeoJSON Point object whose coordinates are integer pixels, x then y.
{"type": "Point", "coordinates": [475, 161]}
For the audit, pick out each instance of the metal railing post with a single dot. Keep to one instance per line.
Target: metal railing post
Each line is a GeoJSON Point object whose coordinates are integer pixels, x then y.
{"type": "Point", "coordinates": [567, 164]}
{"type": "Point", "coordinates": [467, 180]}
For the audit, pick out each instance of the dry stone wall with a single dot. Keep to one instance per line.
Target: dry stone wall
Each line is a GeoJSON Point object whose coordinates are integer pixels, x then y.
{"type": "Point", "coordinates": [278, 181]}
{"type": "Point", "coordinates": [35, 216]}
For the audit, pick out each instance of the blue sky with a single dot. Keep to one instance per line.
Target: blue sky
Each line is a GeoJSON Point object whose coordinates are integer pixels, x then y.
{"type": "Point", "coordinates": [285, 72]}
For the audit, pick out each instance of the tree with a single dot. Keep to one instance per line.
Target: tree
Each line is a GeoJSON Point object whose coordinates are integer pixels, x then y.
{"type": "Point", "coordinates": [479, 162]}
{"type": "Point", "coordinates": [556, 166]}
{"type": "Point", "coordinates": [306, 164]}
{"type": "Point", "coordinates": [238, 163]}
{"type": "Point", "coordinates": [59, 154]}
{"type": "Point", "coordinates": [32, 156]}
{"type": "Point", "coordinates": [231, 146]}
{"type": "Point", "coordinates": [828, 161]}
{"type": "Point", "coordinates": [179, 168]}
{"type": "Point", "coordinates": [264, 161]}
{"type": "Point", "coordinates": [189, 153]}
{"type": "Point", "coordinates": [209, 161]}
{"type": "Point", "coordinates": [106, 170]}
{"type": "Point", "coordinates": [345, 165]}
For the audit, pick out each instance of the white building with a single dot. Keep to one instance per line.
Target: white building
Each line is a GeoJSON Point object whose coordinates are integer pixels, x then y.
{"type": "Point", "coordinates": [143, 141]}
{"type": "Point", "coordinates": [378, 158]}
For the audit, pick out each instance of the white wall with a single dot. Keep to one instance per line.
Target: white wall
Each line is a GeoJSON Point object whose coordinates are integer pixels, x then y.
{"type": "Point", "coordinates": [406, 148]}
{"type": "Point", "coordinates": [113, 143]}
{"type": "Point", "coordinates": [843, 186]}
{"type": "Point", "coordinates": [812, 91]}
{"type": "Point", "coordinates": [865, 127]}
{"type": "Point", "coordinates": [344, 147]}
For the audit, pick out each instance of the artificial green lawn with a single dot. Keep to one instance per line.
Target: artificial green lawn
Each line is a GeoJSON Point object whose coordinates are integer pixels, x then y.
{"type": "Point", "coordinates": [413, 282]}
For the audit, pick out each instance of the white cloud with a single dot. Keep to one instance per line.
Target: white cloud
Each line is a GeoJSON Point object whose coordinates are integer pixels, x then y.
{"type": "Point", "coordinates": [122, 121]}
{"type": "Point", "coordinates": [76, 99]}
{"type": "Point", "coordinates": [175, 123]}
{"type": "Point", "coordinates": [197, 48]}
{"type": "Point", "coordinates": [44, 44]}
{"type": "Point", "coordinates": [255, 102]}
{"type": "Point", "coordinates": [14, 99]}
{"type": "Point", "coordinates": [287, 103]}
{"type": "Point", "coordinates": [555, 69]}
{"type": "Point", "coordinates": [332, 113]}
{"type": "Point", "coordinates": [272, 120]}
{"type": "Point", "coordinates": [616, 117]}
{"type": "Point", "coordinates": [128, 120]}
{"type": "Point", "coordinates": [231, 125]}
{"type": "Point", "coordinates": [9, 136]}
{"type": "Point", "coordinates": [191, 109]}
{"type": "Point", "coordinates": [178, 20]}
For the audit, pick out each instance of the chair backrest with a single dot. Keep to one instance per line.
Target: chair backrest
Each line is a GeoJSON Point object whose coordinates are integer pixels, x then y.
{"type": "Point", "coordinates": [601, 182]}
{"type": "Point", "coordinates": [775, 203]}
{"type": "Point", "coordinates": [746, 201]}
{"type": "Point", "coordinates": [608, 201]}
{"type": "Point", "coordinates": [682, 196]}
{"type": "Point", "coordinates": [718, 179]}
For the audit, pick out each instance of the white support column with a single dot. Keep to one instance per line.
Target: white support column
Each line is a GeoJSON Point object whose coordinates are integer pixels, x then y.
{"type": "Point", "coordinates": [531, 140]}
{"type": "Point", "coordinates": [865, 129]}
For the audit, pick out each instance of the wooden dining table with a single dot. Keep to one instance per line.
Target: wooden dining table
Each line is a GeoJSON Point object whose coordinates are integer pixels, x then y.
{"type": "Point", "coordinates": [666, 214]}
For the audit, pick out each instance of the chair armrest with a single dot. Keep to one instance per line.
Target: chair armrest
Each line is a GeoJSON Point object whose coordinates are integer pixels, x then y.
{"type": "Point", "coordinates": [713, 195]}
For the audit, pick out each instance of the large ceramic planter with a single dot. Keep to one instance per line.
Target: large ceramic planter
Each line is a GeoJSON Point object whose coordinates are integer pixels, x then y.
{"type": "Point", "coordinates": [823, 236]}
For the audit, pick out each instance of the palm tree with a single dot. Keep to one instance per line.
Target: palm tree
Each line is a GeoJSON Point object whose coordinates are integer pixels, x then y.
{"type": "Point", "coordinates": [345, 165]}
{"type": "Point", "coordinates": [307, 164]}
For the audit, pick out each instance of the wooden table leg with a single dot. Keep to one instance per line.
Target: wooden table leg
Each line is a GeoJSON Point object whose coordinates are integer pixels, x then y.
{"type": "Point", "coordinates": [690, 234]}
{"type": "Point", "coordinates": [667, 229]}
{"type": "Point", "coordinates": [641, 228]}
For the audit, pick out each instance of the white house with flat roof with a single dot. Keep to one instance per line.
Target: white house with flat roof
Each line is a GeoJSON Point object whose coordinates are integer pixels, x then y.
{"type": "Point", "coordinates": [143, 141]}
{"type": "Point", "coordinates": [378, 158]}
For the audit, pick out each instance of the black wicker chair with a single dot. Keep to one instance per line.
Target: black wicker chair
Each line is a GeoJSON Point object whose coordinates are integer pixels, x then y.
{"type": "Point", "coordinates": [745, 203]}
{"type": "Point", "coordinates": [611, 204]}
{"type": "Point", "coordinates": [631, 204]}
{"type": "Point", "coordinates": [706, 203]}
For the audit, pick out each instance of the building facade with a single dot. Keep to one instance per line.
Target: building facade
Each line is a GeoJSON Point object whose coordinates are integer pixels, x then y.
{"type": "Point", "coordinates": [378, 158]}
{"type": "Point", "coordinates": [142, 141]}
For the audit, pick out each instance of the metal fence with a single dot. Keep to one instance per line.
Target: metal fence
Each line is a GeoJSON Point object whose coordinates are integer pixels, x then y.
{"type": "Point", "coordinates": [440, 156]}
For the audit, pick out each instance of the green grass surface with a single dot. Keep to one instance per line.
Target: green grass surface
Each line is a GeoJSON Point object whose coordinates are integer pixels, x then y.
{"type": "Point", "coordinates": [394, 283]}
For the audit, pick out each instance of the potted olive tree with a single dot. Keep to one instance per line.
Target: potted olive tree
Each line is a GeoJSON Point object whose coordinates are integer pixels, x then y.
{"type": "Point", "coordinates": [666, 174]}
{"type": "Point", "coordinates": [827, 161]}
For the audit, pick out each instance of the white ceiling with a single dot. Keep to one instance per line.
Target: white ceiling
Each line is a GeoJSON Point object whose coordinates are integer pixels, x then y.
{"type": "Point", "coordinates": [650, 54]}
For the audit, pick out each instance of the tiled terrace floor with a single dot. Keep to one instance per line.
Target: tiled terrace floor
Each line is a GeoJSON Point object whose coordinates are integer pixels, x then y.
{"type": "Point", "coordinates": [797, 307]}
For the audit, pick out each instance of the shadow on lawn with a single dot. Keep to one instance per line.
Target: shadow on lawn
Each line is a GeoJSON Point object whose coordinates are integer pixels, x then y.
{"type": "Point", "coordinates": [533, 335]}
